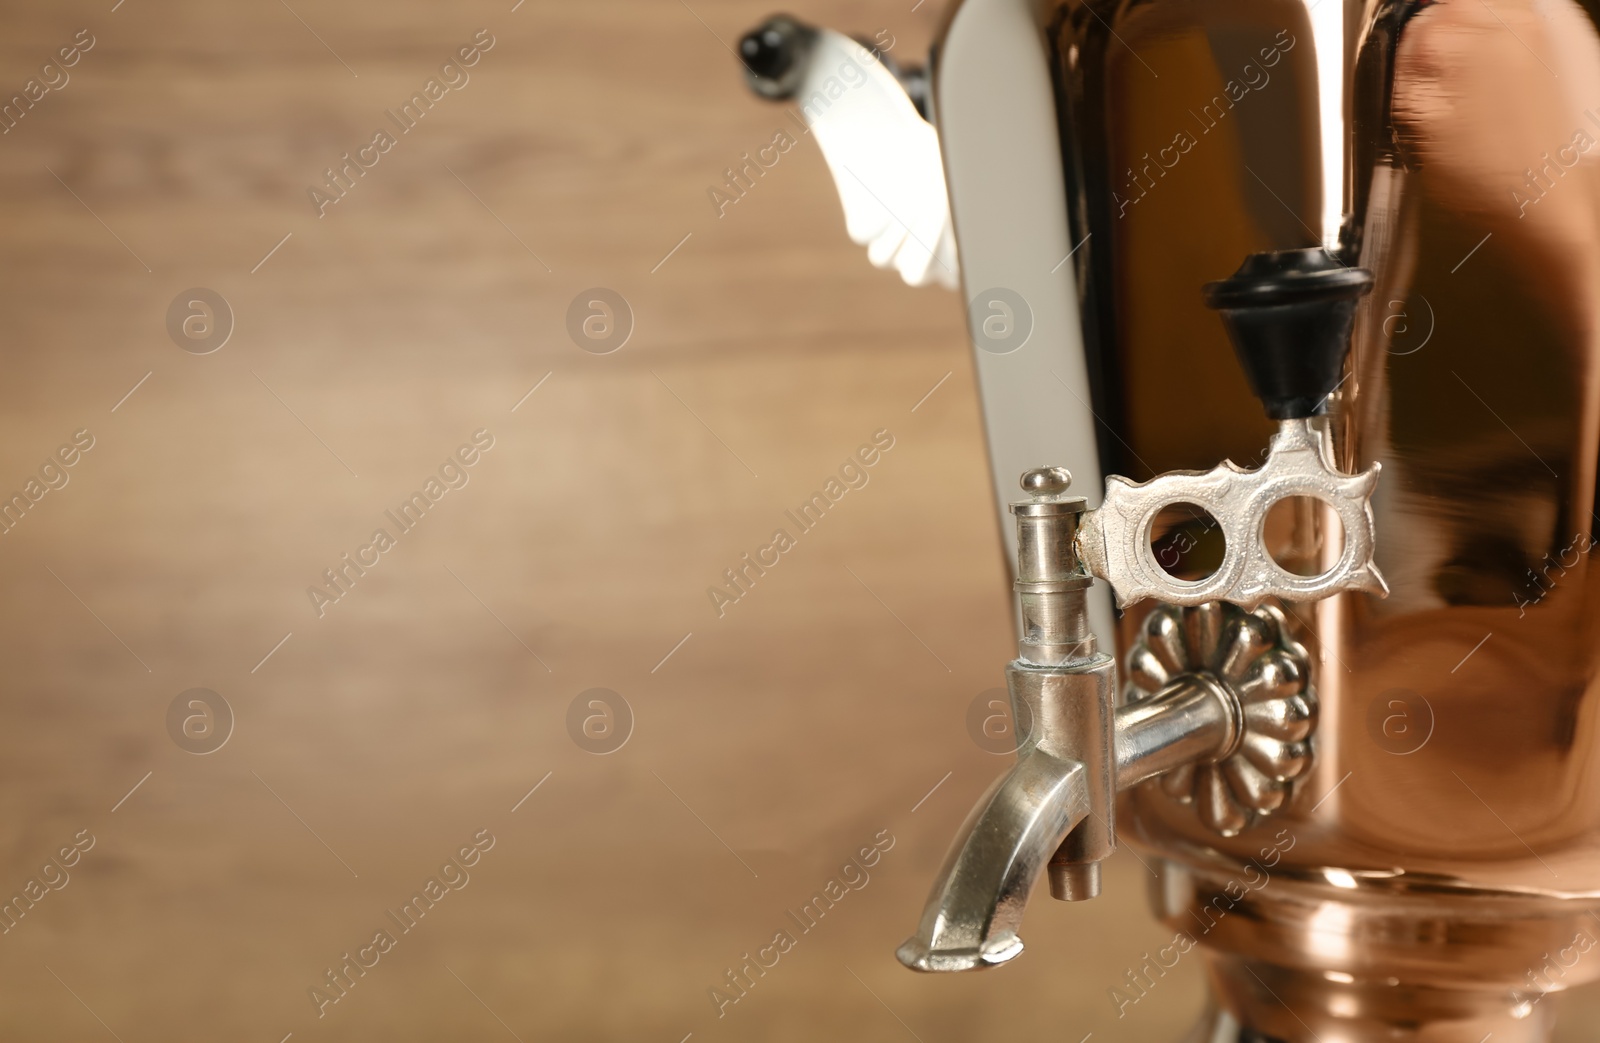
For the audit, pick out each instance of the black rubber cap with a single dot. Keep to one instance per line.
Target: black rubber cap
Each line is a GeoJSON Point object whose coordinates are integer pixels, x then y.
{"type": "Point", "coordinates": [1289, 315]}
{"type": "Point", "coordinates": [775, 54]}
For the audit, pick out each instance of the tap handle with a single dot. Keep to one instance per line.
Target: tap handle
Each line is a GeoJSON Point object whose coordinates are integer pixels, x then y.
{"type": "Point", "coordinates": [1289, 315]}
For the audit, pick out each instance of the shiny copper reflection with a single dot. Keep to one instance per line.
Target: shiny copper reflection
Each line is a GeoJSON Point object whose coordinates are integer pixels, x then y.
{"type": "Point", "coordinates": [1472, 192]}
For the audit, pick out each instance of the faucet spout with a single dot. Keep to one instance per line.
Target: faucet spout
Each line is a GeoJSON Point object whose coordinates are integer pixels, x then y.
{"type": "Point", "coordinates": [1225, 719]}
{"type": "Point", "coordinates": [973, 914]}
{"type": "Point", "coordinates": [1054, 811]}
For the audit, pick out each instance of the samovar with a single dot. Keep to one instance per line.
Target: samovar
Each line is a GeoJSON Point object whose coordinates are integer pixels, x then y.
{"type": "Point", "coordinates": [1287, 314]}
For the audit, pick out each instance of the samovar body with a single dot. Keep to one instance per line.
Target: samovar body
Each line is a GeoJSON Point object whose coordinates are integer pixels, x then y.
{"type": "Point", "coordinates": [1435, 872]}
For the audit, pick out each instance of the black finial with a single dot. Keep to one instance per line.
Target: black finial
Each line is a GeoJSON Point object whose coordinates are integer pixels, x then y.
{"type": "Point", "coordinates": [1289, 315]}
{"type": "Point", "coordinates": [775, 54]}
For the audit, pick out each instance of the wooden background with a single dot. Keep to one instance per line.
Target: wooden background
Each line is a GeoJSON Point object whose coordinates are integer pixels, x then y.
{"type": "Point", "coordinates": [375, 740]}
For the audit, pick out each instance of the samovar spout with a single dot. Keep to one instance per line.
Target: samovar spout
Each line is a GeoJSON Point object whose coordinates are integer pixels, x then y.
{"type": "Point", "coordinates": [973, 915]}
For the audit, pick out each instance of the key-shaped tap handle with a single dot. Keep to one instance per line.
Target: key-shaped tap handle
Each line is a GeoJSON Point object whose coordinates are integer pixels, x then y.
{"type": "Point", "coordinates": [1289, 315]}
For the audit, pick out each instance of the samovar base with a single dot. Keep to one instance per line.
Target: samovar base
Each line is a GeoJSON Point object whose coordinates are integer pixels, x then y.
{"type": "Point", "coordinates": [1299, 961]}
{"type": "Point", "coordinates": [1251, 1002]}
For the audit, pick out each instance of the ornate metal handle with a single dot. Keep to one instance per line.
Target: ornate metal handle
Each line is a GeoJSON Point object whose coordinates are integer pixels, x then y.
{"type": "Point", "coordinates": [1289, 316]}
{"type": "Point", "coordinates": [1114, 540]}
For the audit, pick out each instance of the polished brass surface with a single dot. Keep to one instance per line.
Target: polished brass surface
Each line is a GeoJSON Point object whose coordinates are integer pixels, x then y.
{"type": "Point", "coordinates": [1449, 834]}
{"type": "Point", "coordinates": [1488, 441]}
{"type": "Point", "coordinates": [1458, 746]}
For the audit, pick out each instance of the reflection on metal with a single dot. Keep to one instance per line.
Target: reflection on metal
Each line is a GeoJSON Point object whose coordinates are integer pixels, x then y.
{"type": "Point", "coordinates": [1413, 891]}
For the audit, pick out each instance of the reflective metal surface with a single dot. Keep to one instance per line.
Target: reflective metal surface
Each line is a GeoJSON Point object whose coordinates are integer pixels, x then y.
{"type": "Point", "coordinates": [1447, 842]}
{"type": "Point", "coordinates": [1055, 806]}
{"type": "Point", "coordinates": [1266, 676]}
{"type": "Point", "coordinates": [1434, 871]}
{"type": "Point", "coordinates": [1487, 432]}
{"type": "Point", "coordinates": [1219, 706]}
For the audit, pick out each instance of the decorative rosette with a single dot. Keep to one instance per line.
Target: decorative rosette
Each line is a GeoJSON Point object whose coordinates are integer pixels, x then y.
{"type": "Point", "coordinates": [1252, 655]}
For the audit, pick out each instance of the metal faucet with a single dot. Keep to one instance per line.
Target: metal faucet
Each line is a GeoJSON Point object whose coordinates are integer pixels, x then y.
{"type": "Point", "coordinates": [1219, 700]}
{"type": "Point", "coordinates": [1054, 813]}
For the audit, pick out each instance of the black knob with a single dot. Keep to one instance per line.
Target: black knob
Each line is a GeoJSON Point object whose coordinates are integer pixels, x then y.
{"type": "Point", "coordinates": [775, 55]}
{"type": "Point", "coordinates": [1289, 315]}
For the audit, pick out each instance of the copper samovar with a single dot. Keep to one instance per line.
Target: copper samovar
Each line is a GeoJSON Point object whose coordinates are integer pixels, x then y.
{"type": "Point", "coordinates": [1342, 690]}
